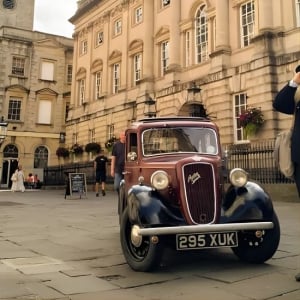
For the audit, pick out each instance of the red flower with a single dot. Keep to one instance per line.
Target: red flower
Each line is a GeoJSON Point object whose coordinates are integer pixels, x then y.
{"type": "Point", "coordinates": [251, 116]}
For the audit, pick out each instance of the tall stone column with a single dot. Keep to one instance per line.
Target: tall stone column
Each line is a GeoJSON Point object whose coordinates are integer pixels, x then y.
{"type": "Point", "coordinates": [148, 40]}
{"type": "Point", "coordinates": [265, 15]}
{"type": "Point", "coordinates": [174, 19]}
{"type": "Point", "coordinates": [222, 25]}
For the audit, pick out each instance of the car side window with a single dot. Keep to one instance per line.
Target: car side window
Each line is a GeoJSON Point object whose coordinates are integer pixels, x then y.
{"type": "Point", "coordinates": [132, 147]}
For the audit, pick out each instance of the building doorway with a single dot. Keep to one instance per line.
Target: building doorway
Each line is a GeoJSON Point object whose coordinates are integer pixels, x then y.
{"type": "Point", "coordinates": [10, 163]}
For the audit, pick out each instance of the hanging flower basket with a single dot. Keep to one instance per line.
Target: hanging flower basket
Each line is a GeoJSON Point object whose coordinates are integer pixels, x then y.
{"type": "Point", "coordinates": [251, 120]}
{"type": "Point", "coordinates": [109, 143]}
{"type": "Point", "coordinates": [62, 152]}
{"type": "Point", "coordinates": [92, 147]}
{"type": "Point", "coordinates": [76, 149]}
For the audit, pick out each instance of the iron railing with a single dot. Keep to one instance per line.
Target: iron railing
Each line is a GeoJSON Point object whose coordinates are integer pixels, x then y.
{"type": "Point", "coordinates": [255, 157]}
{"type": "Point", "coordinates": [56, 175]}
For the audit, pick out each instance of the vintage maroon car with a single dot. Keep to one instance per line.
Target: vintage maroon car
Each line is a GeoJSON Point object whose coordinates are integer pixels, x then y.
{"type": "Point", "coordinates": [174, 195]}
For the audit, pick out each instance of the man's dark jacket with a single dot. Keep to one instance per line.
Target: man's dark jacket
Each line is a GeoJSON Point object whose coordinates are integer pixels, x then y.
{"type": "Point", "coordinates": [285, 102]}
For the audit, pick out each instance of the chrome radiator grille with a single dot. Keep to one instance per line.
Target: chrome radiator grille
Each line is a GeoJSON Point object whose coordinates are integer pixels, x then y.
{"type": "Point", "coordinates": [199, 192]}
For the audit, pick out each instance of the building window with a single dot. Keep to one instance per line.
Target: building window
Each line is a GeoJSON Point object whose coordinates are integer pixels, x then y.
{"type": "Point", "coordinates": [45, 111]}
{"type": "Point", "coordinates": [297, 5]}
{"type": "Point", "coordinates": [74, 138]}
{"type": "Point", "coordinates": [110, 131]}
{"type": "Point", "coordinates": [247, 17]}
{"type": "Point", "coordinates": [137, 67]}
{"type": "Point", "coordinates": [11, 151]}
{"type": "Point", "coordinates": [187, 48]}
{"type": "Point", "coordinates": [47, 71]}
{"type": "Point", "coordinates": [164, 56]}
{"type": "Point", "coordinates": [99, 38]}
{"type": "Point", "coordinates": [116, 78]}
{"type": "Point", "coordinates": [92, 135]}
{"type": "Point", "coordinates": [41, 157]}
{"type": "Point", "coordinates": [138, 15]}
{"type": "Point", "coordinates": [98, 84]}
{"type": "Point", "coordinates": [165, 3]}
{"type": "Point", "coordinates": [69, 73]}
{"type": "Point", "coordinates": [67, 111]}
{"type": "Point", "coordinates": [18, 66]}
{"type": "Point", "coordinates": [118, 27]}
{"type": "Point", "coordinates": [201, 28]}
{"type": "Point", "coordinates": [240, 105]}
{"type": "Point", "coordinates": [14, 109]}
{"type": "Point", "coordinates": [83, 47]}
{"type": "Point", "coordinates": [81, 91]}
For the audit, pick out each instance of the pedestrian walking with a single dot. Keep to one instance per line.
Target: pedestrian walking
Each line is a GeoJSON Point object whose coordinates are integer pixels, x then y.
{"type": "Point", "coordinates": [100, 169]}
{"type": "Point", "coordinates": [287, 101]}
{"type": "Point", "coordinates": [14, 179]}
{"type": "Point", "coordinates": [18, 180]}
{"type": "Point", "coordinates": [118, 161]}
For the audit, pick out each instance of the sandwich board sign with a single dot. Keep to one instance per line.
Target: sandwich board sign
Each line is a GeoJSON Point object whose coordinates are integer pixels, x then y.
{"type": "Point", "coordinates": [77, 182]}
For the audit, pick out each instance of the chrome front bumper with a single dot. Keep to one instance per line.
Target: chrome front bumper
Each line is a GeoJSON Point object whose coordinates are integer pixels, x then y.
{"type": "Point", "coordinates": [202, 228]}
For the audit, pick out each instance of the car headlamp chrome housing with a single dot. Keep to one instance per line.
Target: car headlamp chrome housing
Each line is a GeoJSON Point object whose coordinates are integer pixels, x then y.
{"type": "Point", "coordinates": [238, 177]}
{"type": "Point", "coordinates": [160, 180]}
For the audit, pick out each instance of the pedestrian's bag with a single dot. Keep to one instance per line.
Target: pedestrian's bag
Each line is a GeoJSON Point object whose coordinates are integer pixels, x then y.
{"type": "Point", "coordinates": [14, 177]}
{"type": "Point", "coordinates": [282, 153]}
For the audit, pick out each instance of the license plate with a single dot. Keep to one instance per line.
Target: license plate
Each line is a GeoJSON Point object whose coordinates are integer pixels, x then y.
{"type": "Point", "coordinates": [206, 240]}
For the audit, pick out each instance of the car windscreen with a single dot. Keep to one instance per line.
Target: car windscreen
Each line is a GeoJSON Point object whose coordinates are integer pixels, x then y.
{"type": "Point", "coordinates": [183, 139]}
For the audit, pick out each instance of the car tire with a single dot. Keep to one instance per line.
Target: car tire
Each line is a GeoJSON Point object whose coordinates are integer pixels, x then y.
{"type": "Point", "coordinates": [258, 250]}
{"type": "Point", "coordinates": [144, 258]}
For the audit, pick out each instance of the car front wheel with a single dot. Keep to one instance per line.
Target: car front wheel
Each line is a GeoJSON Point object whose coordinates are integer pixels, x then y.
{"type": "Point", "coordinates": [142, 256]}
{"type": "Point", "coordinates": [258, 248]}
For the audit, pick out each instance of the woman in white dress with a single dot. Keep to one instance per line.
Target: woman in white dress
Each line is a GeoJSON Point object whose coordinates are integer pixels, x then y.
{"type": "Point", "coordinates": [14, 180]}
{"type": "Point", "coordinates": [18, 185]}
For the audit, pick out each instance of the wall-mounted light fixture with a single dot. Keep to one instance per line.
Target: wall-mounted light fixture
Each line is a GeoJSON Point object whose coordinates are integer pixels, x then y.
{"type": "Point", "coordinates": [3, 130]}
{"type": "Point", "coordinates": [150, 107]}
{"type": "Point", "coordinates": [196, 106]}
{"type": "Point", "coordinates": [193, 93]}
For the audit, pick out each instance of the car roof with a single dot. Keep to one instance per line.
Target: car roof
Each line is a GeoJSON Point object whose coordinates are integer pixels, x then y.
{"type": "Point", "coordinates": [171, 121]}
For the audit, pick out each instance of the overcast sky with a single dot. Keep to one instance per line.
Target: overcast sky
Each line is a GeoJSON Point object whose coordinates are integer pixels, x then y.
{"type": "Point", "coordinates": [51, 16]}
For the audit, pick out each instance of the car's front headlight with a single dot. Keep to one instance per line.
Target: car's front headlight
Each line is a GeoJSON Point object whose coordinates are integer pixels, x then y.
{"type": "Point", "coordinates": [238, 177]}
{"type": "Point", "coordinates": [160, 180]}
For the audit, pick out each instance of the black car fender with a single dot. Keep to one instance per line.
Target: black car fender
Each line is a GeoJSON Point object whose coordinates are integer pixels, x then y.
{"type": "Point", "coordinates": [250, 202]}
{"type": "Point", "coordinates": [146, 208]}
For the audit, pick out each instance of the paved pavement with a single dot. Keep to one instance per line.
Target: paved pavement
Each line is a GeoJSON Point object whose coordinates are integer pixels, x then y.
{"type": "Point", "coordinates": [52, 248]}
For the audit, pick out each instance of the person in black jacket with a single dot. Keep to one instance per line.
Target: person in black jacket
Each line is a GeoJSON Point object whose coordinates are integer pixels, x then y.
{"type": "Point", "coordinates": [100, 168]}
{"type": "Point", "coordinates": [287, 101]}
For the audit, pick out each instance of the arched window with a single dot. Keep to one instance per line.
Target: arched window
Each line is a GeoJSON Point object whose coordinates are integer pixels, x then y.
{"type": "Point", "coordinates": [201, 35]}
{"type": "Point", "coordinates": [10, 151]}
{"type": "Point", "coordinates": [41, 157]}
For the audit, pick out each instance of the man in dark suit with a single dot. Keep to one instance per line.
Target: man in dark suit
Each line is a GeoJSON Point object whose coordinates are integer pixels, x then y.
{"type": "Point", "coordinates": [287, 101]}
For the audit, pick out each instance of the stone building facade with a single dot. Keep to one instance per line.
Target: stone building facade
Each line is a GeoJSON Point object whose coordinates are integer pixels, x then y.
{"type": "Point", "coordinates": [127, 52]}
{"type": "Point", "coordinates": [35, 87]}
